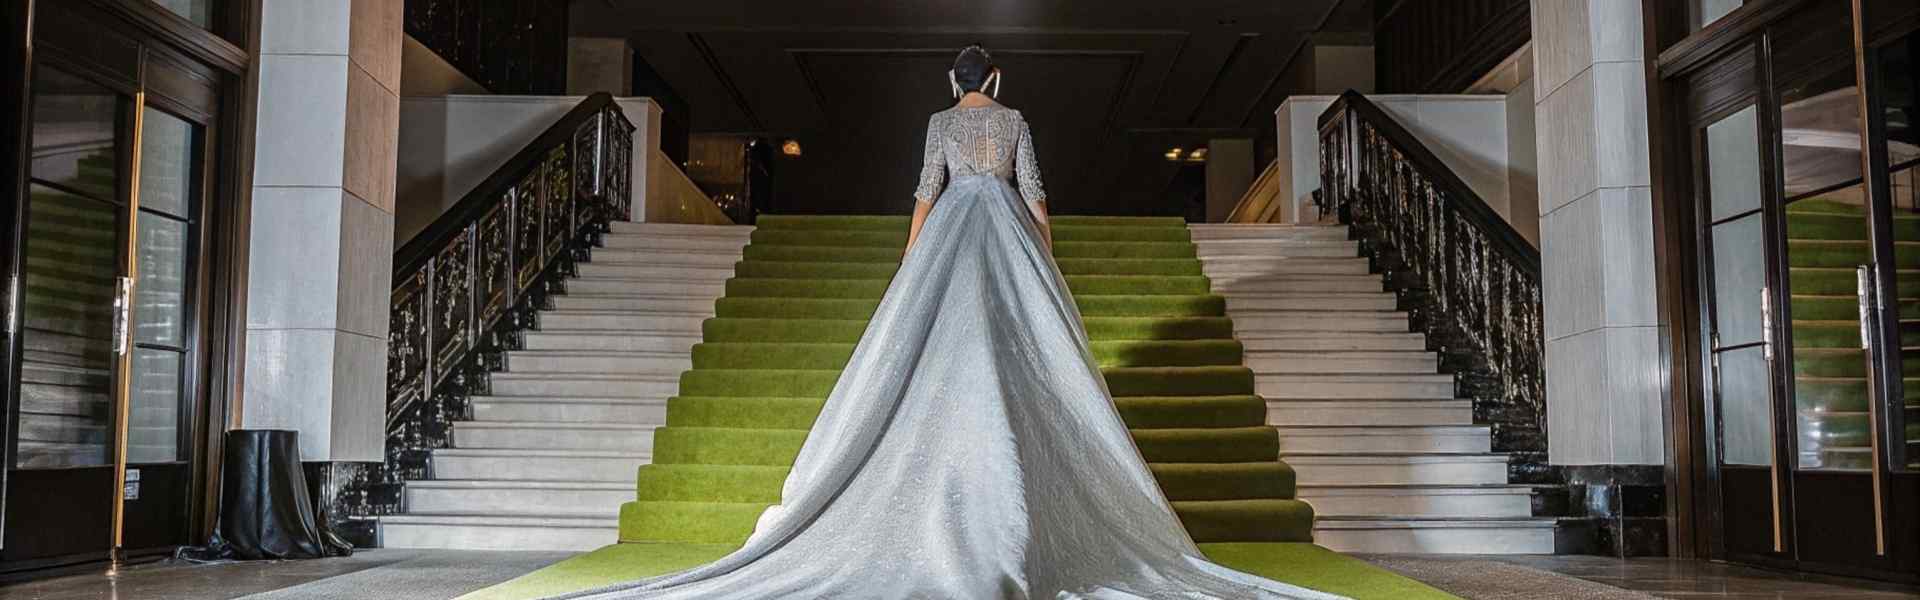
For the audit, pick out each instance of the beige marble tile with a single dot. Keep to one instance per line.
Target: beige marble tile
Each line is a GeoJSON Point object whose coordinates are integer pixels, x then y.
{"type": "Point", "coordinates": [304, 27]}
{"type": "Point", "coordinates": [374, 39]}
{"type": "Point", "coordinates": [1565, 143]}
{"type": "Point", "coordinates": [372, 139]}
{"type": "Point", "coordinates": [1626, 237]}
{"type": "Point", "coordinates": [1575, 376]}
{"type": "Point", "coordinates": [1561, 43]}
{"type": "Point", "coordinates": [1572, 269]}
{"type": "Point", "coordinates": [365, 267]}
{"type": "Point", "coordinates": [289, 385]}
{"type": "Point", "coordinates": [293, 272]}
{"type": "Point", "coordinates": [1634, 372]}
{"type": "Point", "coordinates": [299, 140]}
{"type": "Point", "coordinates": [1620, 125]}
{"type": "Point", "coordinates": [1615, 30]}
{"type": "Point", "coordinates": [359, 402]}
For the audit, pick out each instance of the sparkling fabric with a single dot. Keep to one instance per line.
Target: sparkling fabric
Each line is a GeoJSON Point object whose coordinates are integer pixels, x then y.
{"type": "Point", "coordinates": [970, 450]}
{"type": "Point", "coordinates": [980, 140]}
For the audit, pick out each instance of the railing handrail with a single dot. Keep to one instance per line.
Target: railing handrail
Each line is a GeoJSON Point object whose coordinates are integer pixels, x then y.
{"type": "Point", "coordinates": [477, 201]}
{"type": "Point", "coordinates": [1469, 203]}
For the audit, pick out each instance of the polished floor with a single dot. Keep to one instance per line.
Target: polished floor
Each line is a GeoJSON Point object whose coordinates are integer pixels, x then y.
{"type": "Point", "coordinates": [439, 574]}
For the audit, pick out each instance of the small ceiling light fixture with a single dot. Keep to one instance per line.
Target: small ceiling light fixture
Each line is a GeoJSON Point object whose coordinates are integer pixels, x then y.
{"type": "Point", "coordinates": [790, 148]}
{"type": "Point", "coordinates": [1198, 155]}
{"type": "Point", "coordinates": [1175, 153]}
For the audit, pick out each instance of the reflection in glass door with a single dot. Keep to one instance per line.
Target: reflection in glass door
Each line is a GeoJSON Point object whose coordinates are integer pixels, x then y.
{"type": "Point", "coordinates": [105, 338]}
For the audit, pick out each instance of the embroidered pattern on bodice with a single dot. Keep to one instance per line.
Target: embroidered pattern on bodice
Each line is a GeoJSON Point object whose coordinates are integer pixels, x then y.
{"type": "Point", "coordinates": [981, 140]}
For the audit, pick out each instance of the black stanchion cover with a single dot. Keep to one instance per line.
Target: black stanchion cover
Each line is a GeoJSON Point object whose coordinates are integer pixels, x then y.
{"type": "Point", "coordinates": [265, 510]}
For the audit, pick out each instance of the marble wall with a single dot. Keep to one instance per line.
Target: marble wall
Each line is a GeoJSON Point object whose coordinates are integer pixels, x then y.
{"type": "Point", "coordinates": [1467, 132]}
{"type": "Point", "coordinates": [1604, 366]}
{"type": "Point", "coordinates": [322, 244]}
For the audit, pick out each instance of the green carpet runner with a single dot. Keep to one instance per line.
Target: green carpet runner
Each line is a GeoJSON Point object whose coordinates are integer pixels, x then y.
{"type": "Point", "coordinates": [801, 298]}
{"type": "Point", "coordinates": [1826, 240]}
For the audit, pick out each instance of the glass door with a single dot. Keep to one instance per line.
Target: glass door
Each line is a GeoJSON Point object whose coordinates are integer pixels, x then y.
{"type": "Point", "coordinates": [105, 423]}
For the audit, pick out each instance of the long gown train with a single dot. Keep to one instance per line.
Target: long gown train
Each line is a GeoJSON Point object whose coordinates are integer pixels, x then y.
{"type": "Point", "coordinates": [969, 450]}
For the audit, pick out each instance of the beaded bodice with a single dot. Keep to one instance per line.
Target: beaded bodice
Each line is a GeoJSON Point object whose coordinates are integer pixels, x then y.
{"type": "Point", "coordinates": [979, 140]}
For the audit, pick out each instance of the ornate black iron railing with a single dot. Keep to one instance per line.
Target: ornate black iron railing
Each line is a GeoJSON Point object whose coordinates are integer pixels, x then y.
{"type": "Point", "coordinates": [1465, 276]}
{"type": "Point", "coordinates": [464, 286]}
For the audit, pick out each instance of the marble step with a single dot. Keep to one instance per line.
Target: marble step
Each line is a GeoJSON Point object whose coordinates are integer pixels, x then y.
{"type": "Point", "coordinates": [519, 464]}
{"type": "Point", "coordinates": [1325, 302]}
{"type": "Point", "coordinates": [672, 243]}
{"type": "Point", "coordinates": [1304, 341]}
{"type": "Point", "coordinates": [1253, 284]}
{"type": "Point", "coordinates": [584, 385]}
{"type": "Point", "coordinates": [1221, 268]}
{"type": "Point", "coordinates": [1223, 248]}
{"type": "Point", "coordinates": [524, 498]}
{"type": "Point", "coordinates": [489, 532]}
{"type": "Point", "coordinates": [1255, 321]}
{"type": "Point", "coordinates": [1427, 535]}
{"type": "Point", "coordinates": [1221, 231]}
{"type": "Point", "coordinates": [1477, 501]}
{"type": "Point", "coordinates": [1398, 469]}
{"type": "Point", "coordinates": [622, 320]}
{"type": "Point", "coordinates": [731, 232]}
{"type": "Point", "coordinates": [1412, 386]}
{"type": "Point", "coordinates": [591, 361]}
{"type": "Point", "coordinates": [702, 288]}
{"type": "Point", "coordinates": [1411, 413]}
{"type": "Point", "coordinates": [1322, 361]}
{"type": "Point", "coordinates": [689, 304]}
{"type": "Point", "coordinates": [1386, 439]}
{"type": "Point", "coordinates": [598, 270]}
{"type": "Point", "coordinates": [531, 435]}
{"type": "Point", "coordinates": [582, 341]}
{"type": "Point", "coordinates": [707, 259]}
{"type": "Point", "coordinates": [636, 411]}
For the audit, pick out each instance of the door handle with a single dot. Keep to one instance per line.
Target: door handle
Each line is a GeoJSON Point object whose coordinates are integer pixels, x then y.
{"type": "Point", "coordinates": [1766, 322]}
{"type": "Point", "coordinates": [123, 316]}
{"type": "Point", "coordinates": [1863, 295]}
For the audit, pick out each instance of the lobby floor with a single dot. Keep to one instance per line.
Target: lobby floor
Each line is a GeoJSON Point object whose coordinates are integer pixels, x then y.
{"type": "Point", "coordinates": [437, 575]}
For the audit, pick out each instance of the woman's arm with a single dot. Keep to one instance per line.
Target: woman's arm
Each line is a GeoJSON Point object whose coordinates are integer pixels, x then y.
{"type": "Point", "coordinates": [933, 179]}
{"type": "Point", "coordinates": [1027, 170]}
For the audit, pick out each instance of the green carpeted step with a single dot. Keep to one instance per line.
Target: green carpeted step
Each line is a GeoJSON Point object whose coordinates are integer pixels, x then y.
{"type": "Point", "coordinates": [1843, 394]}
{"type": "Point", "coordinates": [790, 383]}
{"type": "Point", "coordinates": [895, 238]}
{"type": "Point", "coordinates": [1132, 250]}
{"type": "Point", "coordinates": [875, 287]}
{"type": "Point", "coordinates": [726, 446]}
{"type": "Point", "coordinates": [1179, 381]}
{"type": "Point", "coordinates": [674, 444]}
{"type": "Point", "coordinates": [1831, 226]}
{"type": "Point", "coordinates": [800, 253]}
{"type": "Point", "coordinates": [758, 307]}
{"type": "Point", "coordinates": [1124, 353]}
{"type": "Point", "coordinates": [1842, 308]}
{"type": "Point", "coordinates": [1209, 445]}
{"type": "Point", "coordinates": [1264, 520]}
{"type": "Point", "coordinates": [1067, 232]}
{"type": "Point", "coordinates": [1839, 362]}
{"type": "Point", "coordinates": [1155, 412]}
{"type": "Point", "coordinates": [1844, 334]}
{"type": "Point", "coordinates": [849, 330]}
{"type": "Point", "coordinates": [757, 269]}
{"type": "Point", "coordinates": [837, 222]}
{"type": "Point", "coordinates": [695, 522]}
{"type": "Point", "coordinates": [1129, 266]}
{"type": "Point", "coordinates": [1846, 254]}
{"type": "Point", "coordinates": [1116, 221]}
{"type": "Point", "coordinates": [711, 483]}
{"type": "Point", "coordinates": [1139, 412]}
{"type": "Point", "coordinates": [1841, 281]}
{"type": "Point", "coordinates": [743, 412]}
{"type": "Point", "coordinates": [1225, 481]}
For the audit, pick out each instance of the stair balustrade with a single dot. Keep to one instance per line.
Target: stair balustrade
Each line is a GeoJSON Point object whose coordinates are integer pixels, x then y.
{"type": "Point", "coordinates": [1467, 279]}
{"type": "Point", "coordinates": [467, 283]}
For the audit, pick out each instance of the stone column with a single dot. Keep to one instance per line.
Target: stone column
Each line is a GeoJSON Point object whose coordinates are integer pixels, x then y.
{"type": "Point", "coordinates": [1230, 173]}
{"type": "Point", "coordinates": [597, 64]}
{"type": "Point", "coordinates": [1604, 367]}
{"type": "Point", "coordinates": [321, 258]}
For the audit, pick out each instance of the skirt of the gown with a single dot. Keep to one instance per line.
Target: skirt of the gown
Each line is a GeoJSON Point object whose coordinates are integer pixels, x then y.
{"type": "Point", "coordinates": [969, 450]}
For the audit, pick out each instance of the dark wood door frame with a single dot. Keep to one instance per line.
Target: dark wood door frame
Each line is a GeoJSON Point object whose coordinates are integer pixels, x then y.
{"type": "Point", "coordinates": [1693, 505]}
{"type": "Point", "coordinates": [223, 229]}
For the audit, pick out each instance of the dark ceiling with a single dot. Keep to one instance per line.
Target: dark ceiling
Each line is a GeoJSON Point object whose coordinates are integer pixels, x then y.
{"type": "Point", "coordinates": [1107, 85]}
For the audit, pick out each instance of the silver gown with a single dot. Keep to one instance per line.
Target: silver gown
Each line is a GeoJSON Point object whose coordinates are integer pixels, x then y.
{"type": "Point", "coordinates": [970, 449]}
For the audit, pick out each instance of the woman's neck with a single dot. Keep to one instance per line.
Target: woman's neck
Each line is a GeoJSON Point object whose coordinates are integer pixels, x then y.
{"type": "Point", "coordinates": [975, 99]}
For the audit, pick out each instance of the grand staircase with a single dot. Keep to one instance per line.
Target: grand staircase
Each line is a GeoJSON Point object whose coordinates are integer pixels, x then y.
{"type": "Point", "coordinates": [550, 455]}
{"type": "Point", "coordinates": [1388, 456]}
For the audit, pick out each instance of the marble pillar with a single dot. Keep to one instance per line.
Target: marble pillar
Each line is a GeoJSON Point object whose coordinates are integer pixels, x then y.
{"type": "Point", "coordinates": [1605, 370]}
{"type": "Point", "coordinates": [319, 275]}
{"type": "Point", "coordinates": [599, 65]}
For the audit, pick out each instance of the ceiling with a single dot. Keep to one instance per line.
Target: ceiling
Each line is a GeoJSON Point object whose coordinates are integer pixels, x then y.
{"type": "Point", "coordinates": [1107, 85]}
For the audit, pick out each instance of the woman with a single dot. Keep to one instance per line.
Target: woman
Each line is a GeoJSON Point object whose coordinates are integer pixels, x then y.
{"type": "Point", "coordinates": [970, 449]}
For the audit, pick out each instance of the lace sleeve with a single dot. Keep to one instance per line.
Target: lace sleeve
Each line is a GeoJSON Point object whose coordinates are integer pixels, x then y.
{"type": "Point", "coordinates": [933, 168]}
{"type": "Point", "coordinates": [1027, 169]}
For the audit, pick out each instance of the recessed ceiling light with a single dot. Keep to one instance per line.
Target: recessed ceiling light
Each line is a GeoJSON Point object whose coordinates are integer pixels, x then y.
{"type": "Point", "coordinates": [790, 148]}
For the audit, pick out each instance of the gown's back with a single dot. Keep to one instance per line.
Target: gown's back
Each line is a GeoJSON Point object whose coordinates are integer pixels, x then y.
{"type": "Point", "coordinates": [970, 449]}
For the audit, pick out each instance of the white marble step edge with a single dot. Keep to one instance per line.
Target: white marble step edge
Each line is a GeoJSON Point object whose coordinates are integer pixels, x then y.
{"type": "Point", "coordinates": [518, 498]}
{"type": "Point", "coordinates": [492, 532]}
{"type": "Point", "coordinates": [682, 229]}
{"type": "Point", "coordinates": [1426, 535]}
{"type": "Point", "coordinates": [1369, 411]}
{"type": "Point", "coordinates": [1449, 501]}
{"type": "Point", "coordinates": [1398, 469]}
{"type": "Point", "coordinates": [1385, 439]}
{"type": "Point", "coordinates": [519, 464]}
